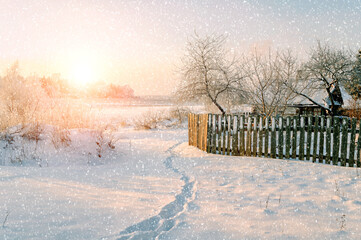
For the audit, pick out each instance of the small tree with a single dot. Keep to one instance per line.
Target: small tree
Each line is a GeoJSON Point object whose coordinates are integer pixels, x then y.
{"type": "Point", "coordinates": [326, 70]}
{"type": "Point", "coordinates": [208, 72]}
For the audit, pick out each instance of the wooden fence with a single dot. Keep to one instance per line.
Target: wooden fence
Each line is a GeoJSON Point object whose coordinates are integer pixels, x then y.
{"type": "Point", "coordinates": [313, 138]}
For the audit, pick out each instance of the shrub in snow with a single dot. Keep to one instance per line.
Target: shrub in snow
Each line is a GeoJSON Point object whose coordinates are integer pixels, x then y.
{"type": "Point", "coordinates": [21, 98]}
{"type": "Point", "coordinates": [161, 120]}
{"type": "Point", "coordinates": [104, 140]}
{"type": "Point", "coordinates": [60, 137]}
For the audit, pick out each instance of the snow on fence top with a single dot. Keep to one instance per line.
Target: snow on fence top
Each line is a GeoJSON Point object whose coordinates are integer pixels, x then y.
{"type": "Point", "coordinates": [329, 140]}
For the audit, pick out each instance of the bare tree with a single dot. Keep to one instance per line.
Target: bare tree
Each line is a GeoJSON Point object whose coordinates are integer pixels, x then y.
{"type": "Point", "coordinates": [354, 84]}
{"type": "Point", "coordinates": [209, 72]}
{"type": "Point", "coordinates": [265, 81]}
{"type": "Point", "coordinates": [326, 70]}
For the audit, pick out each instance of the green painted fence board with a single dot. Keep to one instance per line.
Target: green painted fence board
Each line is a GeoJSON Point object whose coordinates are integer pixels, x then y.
{"type": "Point", "coordinates": [280, 138]}
{"type": "Point", "coordinates": [288, 138]}
{"type": "Point", "coordinates": [234, 133]}
{"type": "Point", "coordinates": [351, 158]}
{"type": "Point", "coordinates": [273, 138]}
{"type": "Point", "coordinates": [302, 139]}
{"type": "Point", "coordinates": [219, 147]}
{"type": "Point", "coordinates": [260, 137]}
{"type": "Point", "coordinates": [254, 139]}
{"type": "Point", "coordinates": [224, 132]}
{"type": "Point", "coordinates": [359, 146]}
{"type": "Point", "coordinates": [229, 127]}
{"type": "Point", "coordinates": [309, 138]}
{"type": "Point", "coordinates": [249, 136]}
{"type": "Point", "coordinates": [344, 137]}
{"type": "Point", "coordinates": [295, 124]}
{"type": "Point", "coordinates": [321, 142]}
{"type": "Point", "coordinates": [336, 140]}
{"type": "Point", "coordinates": [242, 137]}
{"type": "Point", "coordinates": [266, 137]}
{"type": "Point", "coordinates": [328, 140]}
{"type": "Point", "coordinates": [315, 139]}
{"type": "Point", "coordinates": [209, 133]}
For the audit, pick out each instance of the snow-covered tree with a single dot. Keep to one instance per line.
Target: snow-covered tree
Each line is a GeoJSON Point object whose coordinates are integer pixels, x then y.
{"type": "Point", "coordinates": [326, 70]}
{"type": "Point", "coordinates": [266, 76]}
{"type": "Point", "coordinates": [353, 86]}
{"type": "Point", "coordinates": [209, 72]}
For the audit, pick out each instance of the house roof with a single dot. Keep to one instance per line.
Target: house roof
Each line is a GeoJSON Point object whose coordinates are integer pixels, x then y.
{"type": "Point", "coordinates": [321, 97]}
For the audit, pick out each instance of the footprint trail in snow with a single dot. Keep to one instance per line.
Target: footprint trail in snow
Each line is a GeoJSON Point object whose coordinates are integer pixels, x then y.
{"type": "Point", "coordinates": [157, 226]}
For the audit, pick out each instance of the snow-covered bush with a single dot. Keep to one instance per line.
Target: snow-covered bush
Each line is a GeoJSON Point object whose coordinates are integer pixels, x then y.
{"type": "Point", "coordinates": [172, 118]}
{"type": "Point", "coordinates": [21, 99]}
{"type": "Point", "coordinates": [60, 137]}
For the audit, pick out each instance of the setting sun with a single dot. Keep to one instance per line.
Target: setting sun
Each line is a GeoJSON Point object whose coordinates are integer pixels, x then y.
{"type": "Point", "coordinates": [83, 74]}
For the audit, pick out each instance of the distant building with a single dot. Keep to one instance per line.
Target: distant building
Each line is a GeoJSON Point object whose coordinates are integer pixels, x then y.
{"type": "Point", "coordinates": [303, 106]}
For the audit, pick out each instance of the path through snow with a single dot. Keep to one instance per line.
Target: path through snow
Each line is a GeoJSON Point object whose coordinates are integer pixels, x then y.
{"type": "Point", "coordinates": [155, 227]}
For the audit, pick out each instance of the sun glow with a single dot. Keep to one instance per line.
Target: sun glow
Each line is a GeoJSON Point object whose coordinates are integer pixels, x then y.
{"type": "Point", "coordinates": [83, 74]}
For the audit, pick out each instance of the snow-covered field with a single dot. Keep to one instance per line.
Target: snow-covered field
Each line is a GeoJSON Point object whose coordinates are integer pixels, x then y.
{"type": "Point", "coordinates": [152, 185]}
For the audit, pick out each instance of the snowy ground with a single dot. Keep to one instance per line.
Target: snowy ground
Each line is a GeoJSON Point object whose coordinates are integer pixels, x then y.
{"type": "Point", "coordinates": [152, 185]}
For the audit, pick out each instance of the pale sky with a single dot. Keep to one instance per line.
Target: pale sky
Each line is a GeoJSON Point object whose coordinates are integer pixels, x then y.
{"type": "Point", "coordinates": [140, 42]}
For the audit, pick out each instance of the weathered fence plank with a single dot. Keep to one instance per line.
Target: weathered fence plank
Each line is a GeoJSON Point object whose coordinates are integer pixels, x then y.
{"type": "Point", "coordinates": [249, 136]}
{"type": "Point", "coordinates": [219, 148]}
{"type": "Point", "coordinates": [273, 138]}
{"type": "Point", "coordinates": [344, 138]}
{"type": "Point", "coordinates": [266, 137]}
{"type": "Point", "coordinates": [260, 137]}
{"type": "Point", "coordinates": [351, 157]}
{"type": "Point", "coordinates": [359, 147]}
{"type": "Point", "coordinates": [328, 140]}
{"type": "Point", "coordinates": [254, 142]}
{"type": "Point", "coordinates": [234, 135]}
{"type": "Point", "coordinates": [229, 126]}
{"type": "Point", "coordinates": [295, 124]}
{"type": "Point", "coordinates": [336, 141]}
{"type": "Point", "coordinates": [288, 138]}
{"type": "Point", "coordinates": [280, 138]}
{"type": "Point", "coordinates": [315, 140]}
{"type": "Point", "coordinates": [242, 144]}
{"type": "Point", "coordinates": [302, 139]}
{"type": "Point", "coordinates": [309, 138]}
{"type": "Point", "coordinates": [321, 142]}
